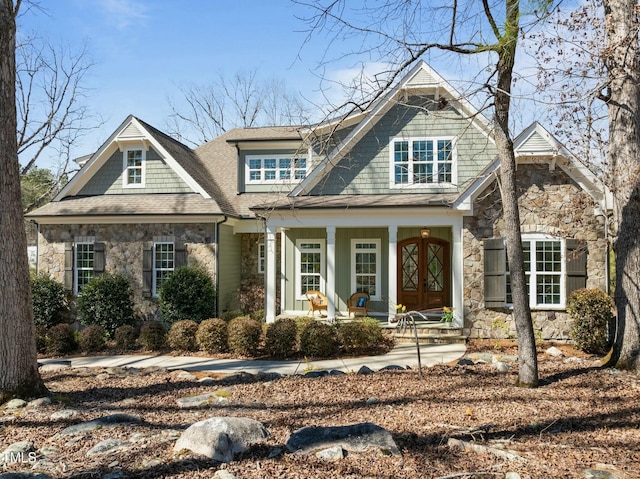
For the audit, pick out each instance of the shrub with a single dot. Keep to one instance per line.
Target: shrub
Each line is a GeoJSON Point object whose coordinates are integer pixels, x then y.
{"type": "Point", "coordinates": [233, 314]}
{"type": "Point", "coordinates": [318, 340]}
{"type": "Point", "coordinates": [41, 339]}
{"type": "Point", "coordinates": [61, 339]}
{"type": "Point", "coordinates": [92, 339]}
{"type": "Point", "coordinates": [360, 336]}
{"type": "Point", "coordinates": [153, 336]}
{"type": "Point", "coordinates": [188, 293]}
{"type": "Point", "coordinates": [212, 335]}
{"type": "Point", "coordinates": [49, 301]}
{"type": "Point", "coordinates": [106, 301]}
{"type": "Point", "coordinates": [125, 337]}
{"type": "Point", "coordinates": [281, 338]}
{"type": "Point", "coordinates": [244, 336]}
{"type": "Point", "coordinates": [182, 335]}
{"type": "Point", "coordinates": [592, 312]}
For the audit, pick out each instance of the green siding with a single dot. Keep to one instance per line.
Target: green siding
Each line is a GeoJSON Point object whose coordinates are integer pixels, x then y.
{"type": "Point", "coordinates": [159, 178]}
{"type": "Point", "coordinates": [229, 268]}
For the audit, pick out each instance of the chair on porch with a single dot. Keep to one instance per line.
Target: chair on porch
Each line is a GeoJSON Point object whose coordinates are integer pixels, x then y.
{"type": "Point", "coordinates": [358, 304]}
{"type": "Point", "coordinates": [317, 302]}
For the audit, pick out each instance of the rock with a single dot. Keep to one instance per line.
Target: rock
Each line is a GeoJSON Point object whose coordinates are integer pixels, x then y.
{"type": "Point", "coordinates": [357, 438]}
{"type": "Point", "coordinates": [316, 374]}
{"type": "Point", "coordinates": [371, 401]}
{"type": "Point", "coordinates": [106, 421]}
{"type": "Point", "coordinates": [220, 438]}
{"type": "Point", "coordinates": [206, 380]}
{"type": "Point", "coordinates": [337, 372]}
{"type": "Point", "coordinates": [44, 401]}
{"type": "Point", "coordinates": [268, 376]}
{"type": "Point", "coordinates": [16, 404]}
{"type": "Point", "coordinates": [512, 475]}
{"type": "Point", "coordinates": [18, 447]}
{"type": "Point", "coordinates": [107, 446]}
{"type": "Point", "coordinates": [184, 376]}
{"type": "Point", "coordinates": [598, 474]}
{"type": "Point", "coordinates": [55, 365]}
{"type": "Point", "coordinates": [275, 452]}
{"type": "Point", "coordinates": [364, 370]}
{"type": "Point", "coordinates": [331, 454]}
{"type": "Point", "coordinates": [153, 370]}
{"type": "Point", "coordinates": [392, 367]}
{"type": "Point", "coordinates": [197, 401]}
{"type": "Point", "coordinates": [555, 352]}
{"type": "Point", "coordinates": [114, 475]}
{"type": "Point", "coordinates": [24, 475]}
{"type": "Point", "coordinates": [49, 451]}
{"type": "Point", "coordinates": [18, 452]}
{"type": "Point", "coordinates": [466, 362]}
{"type": "Point", "coordinates": [63, 414]}
{"type": "Point", "coordinates": [223, 474]}
{"type": "Point", "coordinates": [501, 367]}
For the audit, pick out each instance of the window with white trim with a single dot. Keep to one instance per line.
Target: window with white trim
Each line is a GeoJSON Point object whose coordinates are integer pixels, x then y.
{"type": "Point", "coordinates": [365, 267]}
{"type": "Point", "coordinates": [274, 169]}
{"type": "Point", "coordinates": [134, 168]}
{"type": "Point", "coordinates": [544, 266]}
{"type": "Point", "coordinates": [163, 263]}
{"type": "Point", "coordinates": [310, 264]}
{"type": "Point", "coordinates": [422, 161]}
{"type": "Point", "coordinates": [261, 257]}
{"type": "Point", "coordinates": [83, 264]}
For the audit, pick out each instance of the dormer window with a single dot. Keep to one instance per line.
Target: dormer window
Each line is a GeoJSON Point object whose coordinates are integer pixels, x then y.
{"type": "Point", "coordinates": [134, 168]}
{"type": "Point", "coordinates": [422, 162]}
{"type": "Point", "coordinates": [274, 169]}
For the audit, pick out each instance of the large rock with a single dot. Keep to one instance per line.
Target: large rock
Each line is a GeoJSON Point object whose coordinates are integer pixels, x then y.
{"type": "Point", "coordinates": [357, 438]}
{"type": "Point", "coordinates": [220, 438]}
{"type": "Point", "coordinates": [112, 420]}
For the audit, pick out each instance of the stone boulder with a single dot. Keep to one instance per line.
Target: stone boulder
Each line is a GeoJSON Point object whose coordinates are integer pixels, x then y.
{"type": "Point", "coordinates": [220, 438]}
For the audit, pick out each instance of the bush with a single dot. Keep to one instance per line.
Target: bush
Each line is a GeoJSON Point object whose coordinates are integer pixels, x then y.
{"type": "Point", "coordinates": [244, 336]}
{"type": "Point", "coordinates": [182, 335]}
{"type": "Point", "coordinates": [106, 301]}
{"type": "Point", "coordinates": [233, 314]}
{"type": "Point", "coordinates": [125, 337]}
{"type": "Point", "coordinates": [360, 336]}
{"type": "Point", "coordinates": [41, 339]}
{"type": "Point", "coordinates": [188, 293]}
{"type": "Point", "coordinates": [318, 340]}
{"type": "Point", "coordinates": [591, 311]}
{"type": "Point", "coordinates": [212, 336]}
{"type": "Point", "coordinates": [49, 301]}
{"type": "Point", "coordinates": [92, 339]}
{"type": "Point", "coordinates": [281, 338]}
{"type": "Point", "coordinates": [61, 339]}
{"type": "Point", "coordinates": [153, 336]}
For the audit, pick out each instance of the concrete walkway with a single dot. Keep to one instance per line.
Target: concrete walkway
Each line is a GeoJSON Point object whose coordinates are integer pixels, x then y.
{"type": "Point", "coordinates": [401, 355]}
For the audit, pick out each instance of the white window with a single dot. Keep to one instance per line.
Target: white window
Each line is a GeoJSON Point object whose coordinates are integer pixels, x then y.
{"type": "Point", "coordinates": [274, 169]}
{"type": "Point", "coordinates": [261, 257]}
{"type": "Point", "coordinates": [422, 162]}
{"type": "Point", "coordinates": [83, 264]}
{"type": "Point", "coordinates": [365, 267]}
{"type": "Point", "coordinates": [134, 168]}
{"type": "Point", "coordinates": [310, 263]}
{"type": "Point", "coordinates": [163, 264]}
{"type": "Point", "coordinates": [545, 275]}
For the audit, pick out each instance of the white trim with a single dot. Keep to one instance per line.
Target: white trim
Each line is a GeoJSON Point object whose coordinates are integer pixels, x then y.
{"type": "Point", "coordinates": [81, 241]}
{"type": "Point", "coordinates": [262, 258]}
{"type": "Point", "coordinates": [126, 167]}
{"type": "Point", "coordinates": [410, 140]}
{"type": "Point", "coordinates": [277, 169]}
{"type": "Point", "coordinates": [322, 250]}
{"type": "Point", "coordinates": [377, 251]}
{"type": "Point", "coordinates": [155, 269]}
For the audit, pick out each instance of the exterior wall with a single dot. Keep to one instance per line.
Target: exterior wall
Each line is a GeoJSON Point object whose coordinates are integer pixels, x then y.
{"type": "Point", "coordinates": [124, 244]}
{"type": "Point", "coordinates": [251, 279]}
{"type": "Point", "coordinates": [229, 269]}
{"type": "Point", "coordinates": [550, 202]}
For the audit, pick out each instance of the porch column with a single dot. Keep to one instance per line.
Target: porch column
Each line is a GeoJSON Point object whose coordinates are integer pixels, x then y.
{"type": "Point", "coordinates": [270, 274]}
{"type": "Point", "coordinates": [283, 257]}
{"type": "Point", "coordinates": [457, 273]}
{"type": "Point", "coordinates": [392, 287]}
{"type": "Point", "coordinates": [330, 284]}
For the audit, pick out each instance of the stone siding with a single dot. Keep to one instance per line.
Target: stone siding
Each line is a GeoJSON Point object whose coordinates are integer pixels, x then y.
{"type": "Point", "coordinates": [551, 203]}
{"type": "Point", "coordinates": [251, 279]}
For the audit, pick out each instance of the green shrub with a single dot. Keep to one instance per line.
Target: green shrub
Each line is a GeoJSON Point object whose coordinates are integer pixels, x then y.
{"type": "Point", "coordinates": [244, 336]}
{"type": "Point", "coordinates": [281, 338]}
{"type": "Point", "coordinates": [125, 337]}
{"type": "Point", "coordinates": [591, 311]}
{"type": "Point", "coordinates": [360, 336]}
{"type": "Point", "coordinates": [106, 300]}
{"type": "Point", "coordinates": [318, 340]}
{"type": "Point", "coordinates": [182, 335]}
{"type": "Point", "coordinates": [92, 339]}
{"type": "Point", "coordinates": [41, 339]}
{"type": "Point", "coordinates": [61, 339]}
{"type": "Point", "coordinates": [188, 293]}
{"type": "Point", "coordinates": [153, 336]}
{"type": "Point", "coordinates": [212, 336]}
{"type": "Point", "coordinates": [49, 301]}
{"type": "Point", "coordinates": [233, 314]}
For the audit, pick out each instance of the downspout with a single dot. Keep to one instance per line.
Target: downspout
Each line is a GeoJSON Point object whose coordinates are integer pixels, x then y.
{"type": "Point", "coordinates": [216, 241]}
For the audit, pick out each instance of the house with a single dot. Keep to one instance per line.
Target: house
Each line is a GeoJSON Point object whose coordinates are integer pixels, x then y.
{"type": "Point", "coordinates": [401, 201]}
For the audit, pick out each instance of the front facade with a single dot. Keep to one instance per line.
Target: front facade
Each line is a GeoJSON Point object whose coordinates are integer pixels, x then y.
{"type": "Point", "coordinates": [400, 201]}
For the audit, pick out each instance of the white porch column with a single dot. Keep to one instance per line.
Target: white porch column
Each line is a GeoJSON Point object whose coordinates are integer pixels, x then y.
{"type": "Point", "coordinates": [330, 285]}
{"type": "Point", "coordinates": [392, 287]}
{"type": "Point", "coordinates": [270, 274]}
{"type": "Point", "coordinates": [283, 263]}
{"type": "Point", "coordinates": [457, 273]}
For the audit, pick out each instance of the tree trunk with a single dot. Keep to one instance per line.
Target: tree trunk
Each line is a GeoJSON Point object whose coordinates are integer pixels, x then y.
{"type": "Point", "coordinates": [527, 356]}
{"type": "Point", "coordinates": [18, 361]}
{"type": "Point", "coordinates": [623, 69]}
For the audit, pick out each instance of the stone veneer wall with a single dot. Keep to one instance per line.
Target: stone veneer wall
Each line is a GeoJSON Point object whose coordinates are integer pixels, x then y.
{"type": "Point", "coordinates": [550, 202]}
{"type": "Point", "coordinates": [249, 271]}
{"type": "Point", "coordinates": [124, 244]}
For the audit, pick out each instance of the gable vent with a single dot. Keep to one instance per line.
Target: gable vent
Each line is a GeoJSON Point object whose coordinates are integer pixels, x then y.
{"type": "Point", "coordinates": [131, 131]}
{"type": "Point", "coordinates": [422, 78]}
{"type": "Point", "coordinates": [535, 143]}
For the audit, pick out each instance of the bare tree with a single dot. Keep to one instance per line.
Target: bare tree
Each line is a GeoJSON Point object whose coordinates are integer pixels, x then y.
{"type": "Point", "coordinates": [18, 359]}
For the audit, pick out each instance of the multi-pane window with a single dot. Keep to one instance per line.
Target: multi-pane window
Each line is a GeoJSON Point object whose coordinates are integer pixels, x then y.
{"type": "Point", "coordinates": [134, 168]}
{"type": "Point", "coordinates": [422, 161]}
{"type": "Point", "coordinates": [163, 264]}
{"type": "Point", "coordinates": [310, 266]}
{"type": "Point", "coordinates": [83, 262]}
{"type": "Point", "coordinates": [276, 169]}
{"type": "Point", "coordinates": [366, 266]}
{"type": "Point", "coordinates": [261, 257]}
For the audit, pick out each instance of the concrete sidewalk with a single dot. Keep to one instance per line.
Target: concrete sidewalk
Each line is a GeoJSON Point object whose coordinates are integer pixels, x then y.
{"type": "Point", "coordinates": [401, 355]}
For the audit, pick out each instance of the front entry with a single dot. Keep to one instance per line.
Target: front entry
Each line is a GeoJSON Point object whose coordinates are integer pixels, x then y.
{"type": "Point", "coordinates": [424, 272]}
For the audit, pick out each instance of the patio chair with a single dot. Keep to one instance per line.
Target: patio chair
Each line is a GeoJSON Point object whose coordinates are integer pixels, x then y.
{"type": "Point", "coordinates": [317, 302]}
{"type": "Point", "coordinates": [358, 304]}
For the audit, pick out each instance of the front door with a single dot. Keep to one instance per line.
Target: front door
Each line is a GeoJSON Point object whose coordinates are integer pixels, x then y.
{"type": "Point", "coordinates": [424, 273]}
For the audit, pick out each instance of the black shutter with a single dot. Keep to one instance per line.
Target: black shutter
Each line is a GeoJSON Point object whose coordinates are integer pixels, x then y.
{"type": "Point", "coordinates": [98, 258]}
{"type": "Point", "coordinates": [180, 254]}
{"type": "Point", "coordinates": [576, 265]}
{"type": "Point", "coordinates": [494, 270]}
{"type": "Point", "coordinates": [68, 266]}
{"type": "Point", "coordinates": [147, 270]}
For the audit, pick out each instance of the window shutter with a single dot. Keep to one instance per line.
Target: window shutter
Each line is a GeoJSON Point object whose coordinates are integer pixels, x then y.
{"type": "Point", "coordinates": [576, 265]}
{"type": "Point", "coordinates": [68, 266]}
{"type": "Point", "coordinates": [147, 270]}
{"type": "Point", "coordinates": [98, 258]}
{"type": "Point", "coordinates": [494, 269]}
{"type": "Point", "coordinates": [180, 254]}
